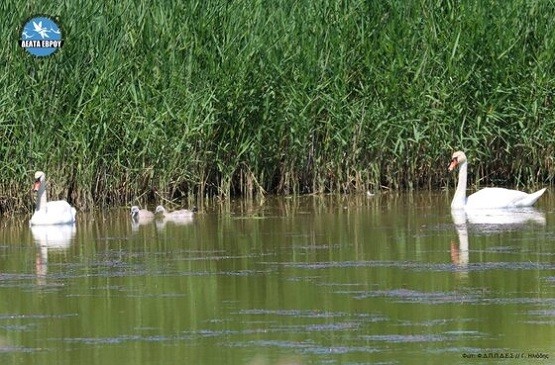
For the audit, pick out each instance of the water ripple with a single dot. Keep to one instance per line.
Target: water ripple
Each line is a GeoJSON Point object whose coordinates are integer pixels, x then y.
{"type": "Point", "coordinates": [297, 313]}
{"type": "Point", "coordinates": [415, 296]}
{"type": "Point", "coordinates": [412, 296]}
{"type": "Point", "coordinates": [422, 266]}
{"type": "Point", "coordinates": [307, 347]}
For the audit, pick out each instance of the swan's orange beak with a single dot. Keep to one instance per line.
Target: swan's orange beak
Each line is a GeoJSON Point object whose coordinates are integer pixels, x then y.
{"type": "Point", "coordinates": [36, 186]}
{"type": "Point", "coordinates": [453, 164]}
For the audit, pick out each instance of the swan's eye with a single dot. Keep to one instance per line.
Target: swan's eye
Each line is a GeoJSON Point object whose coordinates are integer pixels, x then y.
{"type": "Point", "coordinates": [454, 159]}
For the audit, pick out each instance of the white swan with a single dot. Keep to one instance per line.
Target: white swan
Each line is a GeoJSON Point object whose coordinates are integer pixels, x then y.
{"type": "Point", "coordinates": [488, 198]}
{"type": "Point", "coordinates": [49, 213]}
{"type": "Point", "coordinates": [141, 215]}
{"type": "Point", "coordinates": [176, 214]}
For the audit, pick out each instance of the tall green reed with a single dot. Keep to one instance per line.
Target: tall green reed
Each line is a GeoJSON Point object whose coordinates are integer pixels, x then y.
{"type": "Point", "coordinates": [179, 100]}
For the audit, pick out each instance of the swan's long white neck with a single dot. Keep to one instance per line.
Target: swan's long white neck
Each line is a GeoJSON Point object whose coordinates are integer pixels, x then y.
{"type": "Point", "coordinates": [41, 197]}
{"type": "Point", "coordinates": [459, 200]}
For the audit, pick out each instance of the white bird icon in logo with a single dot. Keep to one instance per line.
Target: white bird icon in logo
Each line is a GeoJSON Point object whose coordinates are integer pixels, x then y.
{"type": "Point", "coordinates": [43, 32]}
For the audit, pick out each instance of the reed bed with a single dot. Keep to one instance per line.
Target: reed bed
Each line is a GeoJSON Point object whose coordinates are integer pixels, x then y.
{"type": "Point", "coordinates": [181, 99]}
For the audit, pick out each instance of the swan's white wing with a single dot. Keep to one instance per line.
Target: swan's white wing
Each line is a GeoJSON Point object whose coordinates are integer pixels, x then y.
{"type": "Point", "coordinates": [56, 212]}
{"type": "Point", "coordinates": [58, 206]}
{"type": "Point", "coordinates": [495, 198]}
{"type": "Point", "coordinates": [181, 214]}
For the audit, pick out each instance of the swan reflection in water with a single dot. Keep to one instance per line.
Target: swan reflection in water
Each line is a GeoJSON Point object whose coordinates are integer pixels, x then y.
{"type": "Point", "coordinates": [50, 238]}
{"type": "Point", "coordinates": [163, 221]}
{"type": "Point", "coordinates": [487, 221]}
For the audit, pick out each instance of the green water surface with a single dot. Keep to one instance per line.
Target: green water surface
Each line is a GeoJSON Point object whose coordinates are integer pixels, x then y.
{"type": "Point", "coordinates": [388, 279]}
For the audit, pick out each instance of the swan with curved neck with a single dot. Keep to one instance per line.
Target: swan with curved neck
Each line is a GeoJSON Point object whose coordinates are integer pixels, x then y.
{"type": "Point", "coordinates": [488, 198]}
{"type": "Point", "coordinates": [49, 213]}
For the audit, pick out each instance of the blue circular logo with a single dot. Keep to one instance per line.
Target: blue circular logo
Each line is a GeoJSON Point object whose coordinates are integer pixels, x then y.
{"type": "Point", "coordinates": [41, 36]}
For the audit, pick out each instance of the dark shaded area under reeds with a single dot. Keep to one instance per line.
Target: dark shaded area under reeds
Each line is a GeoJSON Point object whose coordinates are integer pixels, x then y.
{"type": "Point", "coordinates": [179, 99]}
